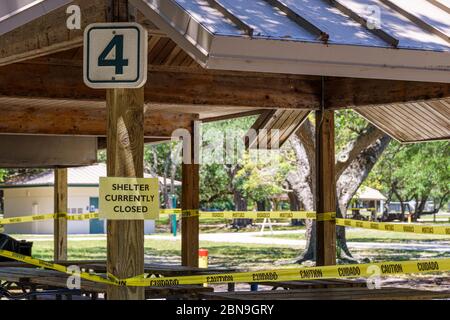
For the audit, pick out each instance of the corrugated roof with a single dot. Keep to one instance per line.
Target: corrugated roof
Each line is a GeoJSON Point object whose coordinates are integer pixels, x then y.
{"type": "Point", "coordinates": [80, 176]}
{"type": "Point", "coordinates": [319, 37]}
{"type": "Point", "coordinates": [411, 122]}
{"type": "Point", "coordinates": [15, 13]}
{"type": "Point", "coordinates": [275, 124]}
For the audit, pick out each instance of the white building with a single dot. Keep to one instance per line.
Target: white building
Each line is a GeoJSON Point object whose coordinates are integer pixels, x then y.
{"type": "Point", "coordinates": [370, 198]}
{"type": "Point", "coordinates": [34, 196]}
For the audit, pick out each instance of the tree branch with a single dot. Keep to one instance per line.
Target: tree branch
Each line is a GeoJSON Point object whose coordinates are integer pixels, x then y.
{"type": "Point", "coordinates": [353, 149]}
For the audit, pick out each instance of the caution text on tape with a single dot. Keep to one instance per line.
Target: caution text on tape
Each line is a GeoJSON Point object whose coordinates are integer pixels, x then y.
{"type": "Point", "coordinates": [291, 274]}
{"type": "Point", "coordinates": [395, 227]}
{"type": "Point", "coordinates": [327, 216]}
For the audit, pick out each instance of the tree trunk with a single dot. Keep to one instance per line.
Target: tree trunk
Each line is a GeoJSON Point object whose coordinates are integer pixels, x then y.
{"type": "Point", "coordinates": [294, 205]}
{"type": "Point", "coordinates": [301, 183]}
{"type": "Point", "coordinates": [400, 199]}
{"type": "Point", "coordinates": [353, 165]}
{"type": "Point", "coordinates": [420, 206]}
{"type": "Point", "coordinates": [351, 179]}
{"type": "Point", "coordinates": [240, 204]}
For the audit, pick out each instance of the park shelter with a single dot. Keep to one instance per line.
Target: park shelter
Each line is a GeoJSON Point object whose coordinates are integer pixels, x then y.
{"type": "Point", "coordinates": [34, 195]}
{"type": "Point", "coordinates": [367, 197]}
{"type": "Point", "coordinates": [221, 59]}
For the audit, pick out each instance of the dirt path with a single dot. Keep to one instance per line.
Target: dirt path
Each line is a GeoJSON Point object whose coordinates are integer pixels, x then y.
{"type": "Point", "coordinates": [256, 238]}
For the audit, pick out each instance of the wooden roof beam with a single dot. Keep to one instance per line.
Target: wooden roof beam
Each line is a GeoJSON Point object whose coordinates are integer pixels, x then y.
{"type": "Point", "coordinates": [49, 33]}
{"type": "Point", "coordinates": [342, 93]}
{"type": "Point", "coordinates": [80, 121]}
{"type": "Point", "coordinates": [234, 115]}
{"type": "Point", "coordinates": [201, 87]}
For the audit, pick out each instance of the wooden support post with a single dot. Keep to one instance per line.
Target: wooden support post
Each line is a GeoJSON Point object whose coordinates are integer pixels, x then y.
{"type": "Point", "coordinates": [125, 156]}
{"type": "Point", "coordinates": [60, 206]}
{"type": "Point", "coordinates": [325, 188]}
{"type": "Point", "coordinates": [190, 201]}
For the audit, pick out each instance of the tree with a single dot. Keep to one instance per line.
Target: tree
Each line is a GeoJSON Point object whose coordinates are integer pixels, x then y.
{"type": "Point", "coordinates": [262, 175]}
{"type": "Point", "coordinates": [222, 152]}
{"type": "Point", "coordinates": [162, 160]}
{"type": "Point", "coordinates": [415, 172]}
{"type": "Point", "coordinates": [360, 145]}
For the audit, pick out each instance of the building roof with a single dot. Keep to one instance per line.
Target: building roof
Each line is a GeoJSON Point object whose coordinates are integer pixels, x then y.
{"type": "Point", "coordinates": [79, 176]}
{"type": "Point", "coordinates": [367, 193]}
{"type": "Point", "coordinates": [315, 37]}
{"type": "Point", "coordinates": [411, 122]}
{"type": "Point", "coordinates": [15, 13]}
{"type": "Point", "coordinates": [302, 37]}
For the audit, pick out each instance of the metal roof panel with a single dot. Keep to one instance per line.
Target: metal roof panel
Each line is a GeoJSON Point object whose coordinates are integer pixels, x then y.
{"type": "Point", "coordinates": [410, 35]}
{"type": "Point", "coordinates": [15, 13]}
{"type": "Point", "coordinates": [87, 175]}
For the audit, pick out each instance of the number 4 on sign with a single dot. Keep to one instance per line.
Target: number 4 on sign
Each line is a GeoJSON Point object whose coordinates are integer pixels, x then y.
{"type": "Point", "coordinates": [118, 62]}
{"type": "Point", "coordinates": [115, 55]}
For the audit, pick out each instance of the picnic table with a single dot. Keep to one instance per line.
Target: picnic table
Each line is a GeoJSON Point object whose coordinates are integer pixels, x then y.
{"type": "Point", "coordinates": [99, 266]}
{"type": "Point", "coordinates": [30, 280]}
{"type": "Point", "coordinates": [337, 293]}
{"type": "Point", "coordinates": [313, 284]}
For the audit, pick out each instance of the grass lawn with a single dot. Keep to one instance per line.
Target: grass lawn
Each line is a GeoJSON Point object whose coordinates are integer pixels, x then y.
{"type": "Point", "coordinates": [365, 235]}
{"type": "Point", "coordinates": [223, 254]}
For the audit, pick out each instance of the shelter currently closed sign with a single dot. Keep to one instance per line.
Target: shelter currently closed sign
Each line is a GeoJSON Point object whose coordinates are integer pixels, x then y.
{"type": "Point", "coordinates": [129, 198]}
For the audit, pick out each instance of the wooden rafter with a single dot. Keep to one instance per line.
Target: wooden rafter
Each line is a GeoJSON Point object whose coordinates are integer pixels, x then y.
{"type": "Point", "coordinates": [49, 34]}
{"type": "Point", "coordinates": [76, 118]}
{"type": "Point", "coordinates": [341, 93]}
{"type": "Point", "coordinates": [170, 87]}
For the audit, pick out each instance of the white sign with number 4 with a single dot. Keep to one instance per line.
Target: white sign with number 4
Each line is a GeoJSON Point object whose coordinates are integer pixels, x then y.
{"type": "Point", "coordinates": [115, 55]}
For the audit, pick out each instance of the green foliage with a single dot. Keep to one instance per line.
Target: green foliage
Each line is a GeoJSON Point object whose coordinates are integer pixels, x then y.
{"type": "Point", "coordinates": [414, 171]}
{"type": "Point", "coordinates": [348, 126]}
{"type": "Point", "coordinates": [221, 160]}
{"type": "Point", "coordinates": [159, 157]}
{"type": "Point", "coordinates": [101, 156]}
{"type": "Point", "coordinates": [262, 176]}
{"type": "Point", "coordinates": [215, 186]}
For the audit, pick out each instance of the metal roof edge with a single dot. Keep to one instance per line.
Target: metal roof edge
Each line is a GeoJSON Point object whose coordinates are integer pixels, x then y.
{"type": "Point", "coordinates": [41, 185]}
{"type": "Point", "coordinates": [29, 13]}
{"type": "Point", "coordinates": [188, 33]}
{"type": "Point", "coordinates": [294, 57]}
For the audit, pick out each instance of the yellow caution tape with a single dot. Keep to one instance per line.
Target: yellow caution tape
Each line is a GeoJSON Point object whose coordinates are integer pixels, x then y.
{"type": "Point", "coordinates": [396, 227]}
{"type": "Point", "coordinates": [250, 214]}
{"type": "Point", "coordinates": [83, 216]}
{"type": "Point", "coordinates": [52, 266]}
{"type": "Point", "coordinates": [327, 216]}
{"type": "Point", "coordinates": [33, 218]}
{"type": "Point", "coordinates": [292, 274]}
{"type": "Point", "coordinates": [170, 211]}
{"type": "Point", "coordinates": [49, 216]}
{"type": "Point", "coordinates": [184, 213]}
{"type": "Point", "coordinates": [306, 273]}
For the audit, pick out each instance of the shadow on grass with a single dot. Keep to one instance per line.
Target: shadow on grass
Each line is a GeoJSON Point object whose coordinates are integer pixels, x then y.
{"type": "Point", "coordinates": [381, 255]}
{"type": "Point", "coordinates": [396, 240]}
